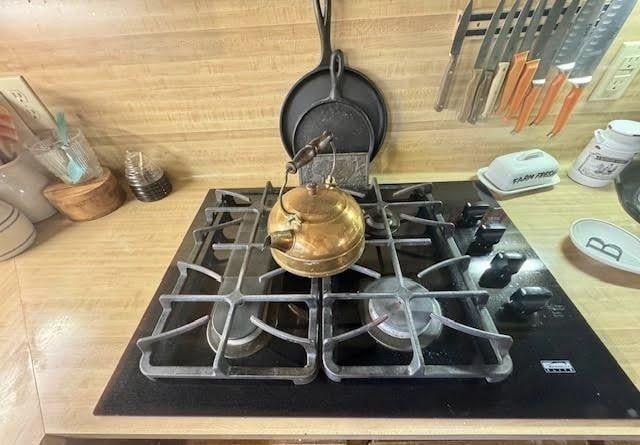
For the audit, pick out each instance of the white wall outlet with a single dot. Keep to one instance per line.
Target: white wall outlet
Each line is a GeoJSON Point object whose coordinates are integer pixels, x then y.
{"type": "Point", "coordinates": [26, 103]}
{"type": "Point", "coordinates": [620, 73]}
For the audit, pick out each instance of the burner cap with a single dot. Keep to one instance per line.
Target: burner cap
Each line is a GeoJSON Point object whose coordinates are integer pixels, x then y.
{"type": "Point", "coordinates": [374, 224]}
{"type": "Point", "coordinates": [394, 332]}
{"type": "Point", "coordinates": [245, 339]}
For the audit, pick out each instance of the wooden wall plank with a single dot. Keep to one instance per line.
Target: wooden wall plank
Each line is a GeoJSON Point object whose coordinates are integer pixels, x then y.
{"type": "Point", "coordinates": [198, 85]}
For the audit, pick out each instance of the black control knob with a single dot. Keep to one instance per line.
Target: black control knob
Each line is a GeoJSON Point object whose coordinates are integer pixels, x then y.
{"type": "Point", "coordinates": [485, 238]}
{"type": "Point", "coordinates": [503, 265]}
{"type": "Point", "coordinates": [472, 213]}
{"type": "Point", "coordinates": [526, 301]}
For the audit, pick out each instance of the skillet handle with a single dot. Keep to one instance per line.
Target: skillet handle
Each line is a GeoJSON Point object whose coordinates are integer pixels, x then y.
{"type": "Point", "coordinates": [336, 69]}
{"type": "Point", "coordinates": [323, 20]}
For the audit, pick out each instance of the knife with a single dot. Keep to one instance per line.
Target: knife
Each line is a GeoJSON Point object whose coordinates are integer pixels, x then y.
{"type": "Point", "coordinates": [454, 52]}
{"type": "Point", "coordinates": [491, 66]}
{"type": "Point", "coordinates": [507, 54]}
{"type": "Point", "coordinates": [579, 34]}
{"type": "Point", "coordinates": [548, 56]}
{"type": "Point", "coordinates": [517, 62]}
{"type": "Point", "coordinates": [530, 67]}
{"type": "Point", "coordinates": [479, 64]}
{"type": "Point", "coordinates": [590, 56]}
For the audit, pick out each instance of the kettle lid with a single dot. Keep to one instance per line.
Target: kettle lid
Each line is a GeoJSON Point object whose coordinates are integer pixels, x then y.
{"type": "Point", "coordinates": [316, 203]}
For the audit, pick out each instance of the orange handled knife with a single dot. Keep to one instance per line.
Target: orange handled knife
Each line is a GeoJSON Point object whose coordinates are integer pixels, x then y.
{"type": "Point", "coordinates": [578, 35]}
{"type": "Point", "coordinates": [591, 55]}
{"type": "Point", "coordinates": [543, 64]}
{"type": "Point", "coordinates": [546, 35]}
{"type": "Point", "coordinates": [520, 58]}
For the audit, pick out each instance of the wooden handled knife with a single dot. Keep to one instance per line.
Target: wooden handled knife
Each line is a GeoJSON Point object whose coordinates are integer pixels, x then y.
{"type": "Point", "coordinates": [479, 65]}
{"type": "Point", "coordinates": [454, 52]}
{"type": "Point", "coordinates": [491, 67]}
{"type": "Point", "coordinates": [503, 65]}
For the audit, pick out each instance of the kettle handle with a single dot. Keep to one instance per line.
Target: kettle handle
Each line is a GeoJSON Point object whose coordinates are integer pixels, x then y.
{"type": "Point", "coordinates": [309, 151]}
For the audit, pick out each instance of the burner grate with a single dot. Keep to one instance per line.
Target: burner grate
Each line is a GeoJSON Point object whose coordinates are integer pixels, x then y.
{"type": "Point", "coordinates": [473, 299]}
{"type": "Point", "coordinates": [221, 367]}
{"type": "Point", "coordinates": [247, 216]}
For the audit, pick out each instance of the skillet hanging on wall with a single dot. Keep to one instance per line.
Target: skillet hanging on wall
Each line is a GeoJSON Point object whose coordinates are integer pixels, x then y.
{"type": "Point", "coordinates": [316, 85]}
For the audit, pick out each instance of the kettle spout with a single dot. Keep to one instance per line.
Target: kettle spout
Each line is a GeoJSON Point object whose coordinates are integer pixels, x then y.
{"type": "Point", "coordinates": [281, 240]}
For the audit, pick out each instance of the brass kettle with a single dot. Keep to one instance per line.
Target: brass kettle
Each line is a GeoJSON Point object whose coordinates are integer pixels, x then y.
{"type": "Point", "coordinates": [315, 230]}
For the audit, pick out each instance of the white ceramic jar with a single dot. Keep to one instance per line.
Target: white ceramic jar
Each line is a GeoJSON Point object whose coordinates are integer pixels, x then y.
{"type": "Point", "coordinates": [607, 154]}
{"type": "Point", "coordinates": [21, 186]}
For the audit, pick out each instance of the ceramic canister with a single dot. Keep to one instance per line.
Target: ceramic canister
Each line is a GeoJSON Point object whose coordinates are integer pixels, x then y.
{"type": "Point", "coordinates": [607, 154]}
{"type": "Point", "coordinates": [16, 231]}
{"type": "Point", "coordinates": [21, 186]}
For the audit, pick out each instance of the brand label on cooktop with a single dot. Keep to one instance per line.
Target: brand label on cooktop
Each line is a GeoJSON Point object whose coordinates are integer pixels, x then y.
{"type": "Point", "coordinates": [557, 367]}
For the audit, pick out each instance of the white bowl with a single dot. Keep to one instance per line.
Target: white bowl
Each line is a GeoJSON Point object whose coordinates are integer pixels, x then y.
{"type": "Point", "coordinates": [16, 232]}
{"type": "Point", "coordinates": [607, 243]}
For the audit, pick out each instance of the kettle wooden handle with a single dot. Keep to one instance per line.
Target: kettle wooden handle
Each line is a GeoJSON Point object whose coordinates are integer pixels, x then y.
{"type": "Point", "coordinates": [308, 152]}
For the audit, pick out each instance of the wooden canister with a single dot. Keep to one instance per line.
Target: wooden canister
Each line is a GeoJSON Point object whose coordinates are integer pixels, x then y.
{"type": "Point", "coordinates": [87, 201]}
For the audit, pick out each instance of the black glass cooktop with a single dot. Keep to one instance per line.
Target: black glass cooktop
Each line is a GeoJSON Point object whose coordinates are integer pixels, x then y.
{"type": "Point", "coordinates": [560, 367]}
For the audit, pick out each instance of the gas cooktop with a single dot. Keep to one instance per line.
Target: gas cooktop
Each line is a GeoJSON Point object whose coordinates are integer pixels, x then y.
{"type": "Point", "coordinates": [448, 313]}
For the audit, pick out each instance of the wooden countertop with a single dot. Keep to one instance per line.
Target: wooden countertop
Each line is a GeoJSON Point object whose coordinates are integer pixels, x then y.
{"type": "Point", "coordinates": [84, 287]}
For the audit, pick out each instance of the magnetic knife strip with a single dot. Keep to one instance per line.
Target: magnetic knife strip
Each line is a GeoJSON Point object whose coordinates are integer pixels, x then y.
{"type": "Point", "coordinates": [479, 21]}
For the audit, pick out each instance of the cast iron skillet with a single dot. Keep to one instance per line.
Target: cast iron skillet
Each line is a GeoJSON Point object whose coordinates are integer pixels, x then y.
{"type": "Point", "coordinates": [351, 127]}
{"type": "Point", "coordinates": [313, 87]}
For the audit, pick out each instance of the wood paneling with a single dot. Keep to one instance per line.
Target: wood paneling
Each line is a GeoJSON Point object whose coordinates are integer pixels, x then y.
{"type": "Point", "coordinates": [198, 84]}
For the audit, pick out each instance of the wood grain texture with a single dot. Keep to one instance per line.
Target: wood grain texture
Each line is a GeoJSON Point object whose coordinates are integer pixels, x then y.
{"type": "Point", "coordinates": [198, 85]}
{"type": "Point", "coordinates": [20, 418]}
{"type": "Point", "coordinates": [87, 201]}
{"type": "Point", "coordinates": [81, 314]}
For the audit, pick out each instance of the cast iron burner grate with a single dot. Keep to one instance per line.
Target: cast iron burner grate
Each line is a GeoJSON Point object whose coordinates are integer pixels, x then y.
{"type": "Point", "coordinates": [240, 312]}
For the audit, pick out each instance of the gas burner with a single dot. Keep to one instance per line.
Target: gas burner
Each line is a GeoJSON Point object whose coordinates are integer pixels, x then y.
{"type": "Point", "coordinates": [374, 224]}
{"type": "Point", "coordinates": [394, 332]}
{"type": "Point", "coordinates": [245, 338]}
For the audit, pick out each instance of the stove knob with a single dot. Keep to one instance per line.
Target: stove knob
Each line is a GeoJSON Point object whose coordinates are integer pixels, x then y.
{"type": "Point", "coordinates": [472, 213]}
{"type": "Point", "coordinates": [526, 301]}
{"type": "Point", "coordinates": [485, 238]}
{"type": "Point", "coordinates": [503, 265]}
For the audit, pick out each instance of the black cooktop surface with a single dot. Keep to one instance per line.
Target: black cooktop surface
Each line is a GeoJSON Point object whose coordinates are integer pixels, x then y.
{"type": "Point", "coordinates": [560, 367]}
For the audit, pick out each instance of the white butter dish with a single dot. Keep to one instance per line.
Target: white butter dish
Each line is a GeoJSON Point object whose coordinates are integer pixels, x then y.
{"type": "Point", "coordinates": [522, 170]}
{"type": "Point", "coordinates": [504, 193]}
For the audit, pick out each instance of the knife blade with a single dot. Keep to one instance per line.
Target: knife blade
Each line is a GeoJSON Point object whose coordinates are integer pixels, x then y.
{"type": "Point", "coordinates": [531, 65]}
{"type": "Point", "coordinates": [505, 61]}
{"type": "Point", "coordinates": [518, 60]}
{"type": "Point", "coordinates": [484, 91]}
{"type": "Point", "coordinates": [454, 52]}
{"type": "Point", "coordinates": [591, 55]}
{"type": "Point", "coordinates": [546, 60]}
{"type": "Point", "coordinates": [480, 63]}
{"type": "Point", "coordinates": [564, 62]}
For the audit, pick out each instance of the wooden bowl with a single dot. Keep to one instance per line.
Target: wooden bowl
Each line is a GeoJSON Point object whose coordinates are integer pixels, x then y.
{"type": "Point", "coordinates": [91, 200]}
